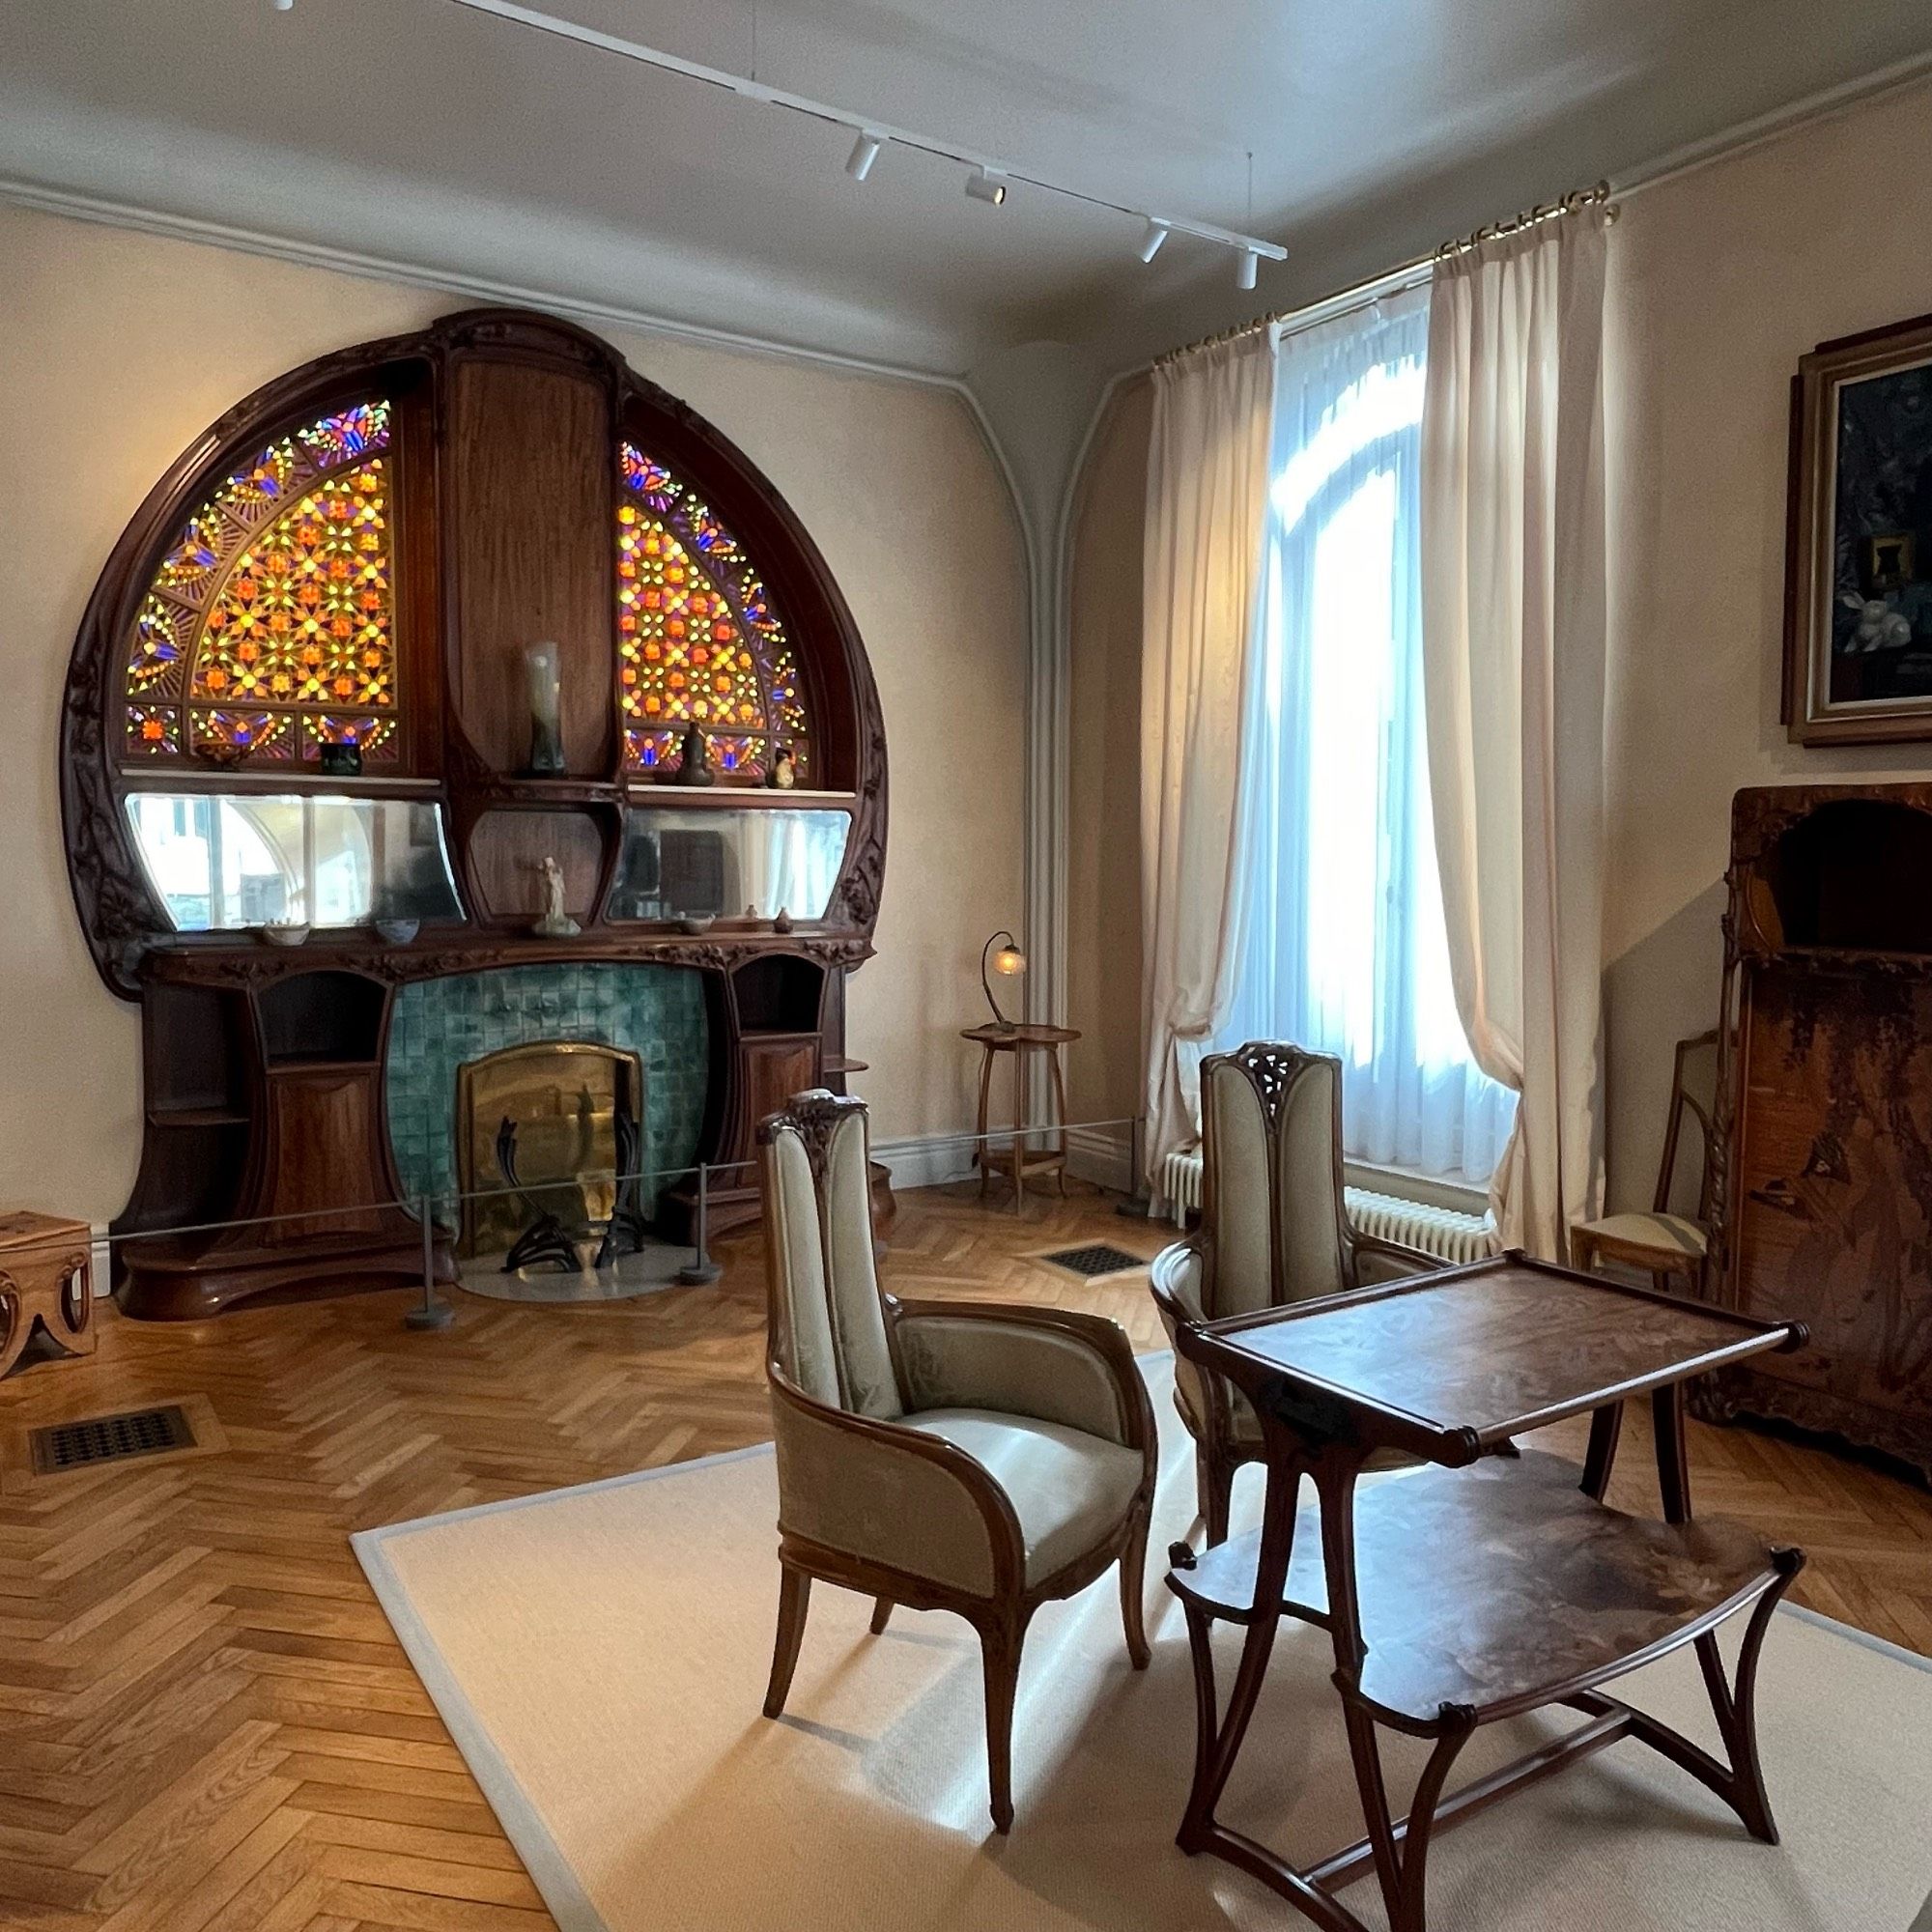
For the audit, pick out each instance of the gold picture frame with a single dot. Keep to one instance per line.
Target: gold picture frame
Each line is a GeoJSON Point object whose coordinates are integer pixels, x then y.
{"type": "Point", "coordinates": [1858, 614]}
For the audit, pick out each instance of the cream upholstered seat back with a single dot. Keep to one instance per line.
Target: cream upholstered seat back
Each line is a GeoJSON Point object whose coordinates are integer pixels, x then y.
{"type": "Point", "coordinates": [1272, 1202]}
{"type": "Point", "coordinates": [828, 1326]}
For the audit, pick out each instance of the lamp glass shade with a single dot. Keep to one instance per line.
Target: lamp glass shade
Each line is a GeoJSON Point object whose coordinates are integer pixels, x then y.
{"type": "Point", "coordinates": [1008, 959]}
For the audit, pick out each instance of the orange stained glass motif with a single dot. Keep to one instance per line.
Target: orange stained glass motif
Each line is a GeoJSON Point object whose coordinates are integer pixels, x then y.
{"type": "Point", "coordinates": [698, 642]}
{"type": "Point", "coordinates": [267, 631]}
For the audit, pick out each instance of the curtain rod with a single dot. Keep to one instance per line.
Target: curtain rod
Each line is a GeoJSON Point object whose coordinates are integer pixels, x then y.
{"type": "Point", "coordinates": [1411, 273]}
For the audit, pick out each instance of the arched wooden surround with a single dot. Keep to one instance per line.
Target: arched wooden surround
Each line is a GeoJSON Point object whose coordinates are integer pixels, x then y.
{"type": "Point", "coordinates": [506, 489]}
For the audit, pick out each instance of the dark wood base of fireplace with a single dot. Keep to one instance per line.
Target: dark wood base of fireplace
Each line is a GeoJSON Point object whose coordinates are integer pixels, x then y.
{"type": "Point", "coordinates": [181, 1280]}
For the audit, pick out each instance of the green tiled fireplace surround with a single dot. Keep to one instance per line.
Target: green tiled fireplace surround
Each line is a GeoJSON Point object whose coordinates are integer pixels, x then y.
{"type": "Point", "coordinates": [654, 1011]}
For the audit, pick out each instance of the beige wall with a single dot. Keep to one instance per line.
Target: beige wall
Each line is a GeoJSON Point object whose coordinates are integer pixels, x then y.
{"type": "Point", "coordinates": [1721, 279]}
{"type": "Point", "coordinates": [117, 349]}
{"type": "Point", "coordinates": [1103, 877]}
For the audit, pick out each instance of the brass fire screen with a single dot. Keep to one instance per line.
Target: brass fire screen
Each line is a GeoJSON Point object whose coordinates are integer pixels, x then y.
{"type": "Point", "coordinates": [564, 1097]}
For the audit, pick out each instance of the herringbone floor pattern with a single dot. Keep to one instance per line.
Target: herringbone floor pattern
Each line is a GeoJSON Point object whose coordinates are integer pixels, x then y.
{"type": "Point", "coordinates": [206, 1724]}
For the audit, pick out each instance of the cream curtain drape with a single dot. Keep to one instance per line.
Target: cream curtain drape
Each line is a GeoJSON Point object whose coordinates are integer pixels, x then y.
{"type": "Point", "coordinates": [1208, 482]}
{"type": "Point", "coordinates": [1513, 590]}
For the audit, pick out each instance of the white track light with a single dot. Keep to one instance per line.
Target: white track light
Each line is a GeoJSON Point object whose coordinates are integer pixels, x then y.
{"type": "Point", "coordinates": [285, 6]}
{"type": "Point", "coordinates": [865, 151]}
{"type": "Point", "coordinates": [986, 181]}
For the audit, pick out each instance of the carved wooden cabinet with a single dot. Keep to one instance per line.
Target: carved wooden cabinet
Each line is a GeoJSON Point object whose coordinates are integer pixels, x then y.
{"type": "Point", "coordinates": [1825, 1125]}
{"type": "Point", "coordinates": [315, 640]}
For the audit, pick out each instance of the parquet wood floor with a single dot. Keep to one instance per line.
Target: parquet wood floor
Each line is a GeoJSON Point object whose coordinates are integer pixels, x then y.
{"type": "Point", "coordinates": [206, 1724]}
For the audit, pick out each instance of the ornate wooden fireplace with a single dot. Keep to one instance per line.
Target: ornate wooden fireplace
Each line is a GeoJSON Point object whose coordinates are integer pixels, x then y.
{"type": "Point", "coordinates": [304, 694]}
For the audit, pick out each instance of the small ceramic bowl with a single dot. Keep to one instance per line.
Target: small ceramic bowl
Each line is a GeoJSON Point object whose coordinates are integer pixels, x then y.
{"type": "Point", "coordinates": [285, 932]}
{"type": "Point", "coordinates": [398, 931]}
{"type": "Point", "coordinates": [697, 922]}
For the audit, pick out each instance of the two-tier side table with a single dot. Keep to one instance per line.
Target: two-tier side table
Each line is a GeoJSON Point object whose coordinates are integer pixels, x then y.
{"type": "Point", "coordinates": [1485, 1585]}
{"type": "Point", "coordinates": [1014, 1156]}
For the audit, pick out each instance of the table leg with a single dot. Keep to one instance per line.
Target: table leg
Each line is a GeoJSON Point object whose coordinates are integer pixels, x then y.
{"type": "Point", "coordinates": [1060, 1113]}
{"type": "Point", "coordinates": [1606, 1425]}
{"type": "Point", "coordinates": [984, 1156]}
{"type": "Point", "coordinates": [1214, 1762]}
{"type": "Point", "coordinates": [1673, 1461]}
{"type": "Point", "coordinates": [1019, 1122]}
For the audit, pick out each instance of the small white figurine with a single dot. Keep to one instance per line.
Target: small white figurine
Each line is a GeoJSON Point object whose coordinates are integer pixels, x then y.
{"type": "Point", "coordinates": [556, 922]}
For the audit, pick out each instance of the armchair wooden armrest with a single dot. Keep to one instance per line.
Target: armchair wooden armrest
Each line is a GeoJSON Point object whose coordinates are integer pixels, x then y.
{"type": "Point", "coordinates": [1051, 1364]}
{"type": "Point", "coordinates": [1377, 1259]}
{"type": "Point", "coordinates": [886, 1496]}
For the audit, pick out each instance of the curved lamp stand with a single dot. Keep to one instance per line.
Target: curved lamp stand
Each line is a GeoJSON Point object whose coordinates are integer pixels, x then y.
{"type": "Point", "coordinates": [1009, 960]}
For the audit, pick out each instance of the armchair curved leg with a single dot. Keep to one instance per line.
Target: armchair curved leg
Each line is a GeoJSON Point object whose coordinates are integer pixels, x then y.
{"type": "Point", "coordinates": [999, 1644]}
{"type": "Point", "coordinates": [794, 1594]}
{"type": "Point", "coordinates": [1133, 1587]}
{"type": "Point", "coordinates": [882, 1611]}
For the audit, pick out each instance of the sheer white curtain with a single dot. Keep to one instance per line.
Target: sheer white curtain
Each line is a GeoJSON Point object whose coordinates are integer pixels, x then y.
{"type": "Point", "coordinates": [1208, 488]}
{"type": "Point", "coordinates": [1342, 947]}
{"type": "Point", "coordinates": [1513, 596]}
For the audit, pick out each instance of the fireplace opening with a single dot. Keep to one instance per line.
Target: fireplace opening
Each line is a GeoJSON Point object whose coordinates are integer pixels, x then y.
{"type": "Point", "coordinates": [540, 1129]}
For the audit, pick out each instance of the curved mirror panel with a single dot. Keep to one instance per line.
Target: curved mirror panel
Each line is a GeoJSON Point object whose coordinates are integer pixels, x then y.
{"type": "Point", "coordinates": [227, 862]}
{"type": "Point", "coordinates": [728, 864]}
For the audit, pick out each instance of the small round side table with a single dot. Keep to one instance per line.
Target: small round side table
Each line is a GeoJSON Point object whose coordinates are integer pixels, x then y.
{"type": "Point", "coordinates": [1015, 1158]}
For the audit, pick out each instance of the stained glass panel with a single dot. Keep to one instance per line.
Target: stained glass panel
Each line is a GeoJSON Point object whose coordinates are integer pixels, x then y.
{"type": "Point", "coordinates": [267, 631]}
{"type": "Point", "coordinates": [153, 731]}
{"type": "Point", "coordinates": [698, 640]}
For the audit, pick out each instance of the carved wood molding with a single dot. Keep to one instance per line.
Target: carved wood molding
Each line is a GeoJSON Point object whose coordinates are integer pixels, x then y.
{"type": "Point", "coordinates": [127, 934]}
{"type": "Point", "coordinates": [1272, 1067]}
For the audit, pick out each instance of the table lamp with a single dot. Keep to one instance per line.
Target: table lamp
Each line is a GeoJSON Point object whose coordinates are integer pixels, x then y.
{"type": "Point", "coordinates": [1008, 960]}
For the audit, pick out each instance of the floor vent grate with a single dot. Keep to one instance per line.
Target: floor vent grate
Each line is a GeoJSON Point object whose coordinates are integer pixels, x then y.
{"type": "Point", "coordinates": [111, 1438]}
{"type": "Point", "coordinates": [1089, 1262]}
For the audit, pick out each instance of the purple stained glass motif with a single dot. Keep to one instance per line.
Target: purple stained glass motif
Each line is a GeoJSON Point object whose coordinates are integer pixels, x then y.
{"type": "Point", "coordinates": [277, 594]}
{"type": "Point", "coordinates": [699, 640]}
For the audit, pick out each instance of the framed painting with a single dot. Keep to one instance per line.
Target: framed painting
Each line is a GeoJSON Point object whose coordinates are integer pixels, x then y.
{"type": "Point", "coordinates": [1857, 610]}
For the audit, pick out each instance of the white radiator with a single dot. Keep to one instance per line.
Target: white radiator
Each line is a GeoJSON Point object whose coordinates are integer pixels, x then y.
{"type": "Point", "coordinates": [1445, 1231]}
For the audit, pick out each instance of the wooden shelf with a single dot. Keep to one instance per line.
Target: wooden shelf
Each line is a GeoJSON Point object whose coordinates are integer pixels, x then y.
{"type": "Point", "coordinates": [198, 1117]}
{"type": "Point", "coordinates": [1499, 1585]}
{"type": "Point", "coordinates": [724, 797]}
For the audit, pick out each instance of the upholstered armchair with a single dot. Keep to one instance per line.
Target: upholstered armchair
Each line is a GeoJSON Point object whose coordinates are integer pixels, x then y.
{"type": "Point", "coordinates": [948, 1455]}
{"type": "Point", "coordinates": [1273, 1229]}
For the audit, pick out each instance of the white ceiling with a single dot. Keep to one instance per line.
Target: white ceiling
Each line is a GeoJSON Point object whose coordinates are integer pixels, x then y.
{"type": "Point", "coordinates": [418, 132]}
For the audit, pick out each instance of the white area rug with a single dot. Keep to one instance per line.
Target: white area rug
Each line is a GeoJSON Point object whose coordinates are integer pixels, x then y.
{"type": "Point", "coordinates": [599, 1655]}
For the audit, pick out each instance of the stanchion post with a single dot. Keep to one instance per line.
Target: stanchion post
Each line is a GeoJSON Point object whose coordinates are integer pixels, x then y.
{"type": "Point", "coordinates": [702, 1271]}
{"type": "Point", "coordinates": [1139, 1202]}
{"type": "Point", "coordinates": [435, 1312]}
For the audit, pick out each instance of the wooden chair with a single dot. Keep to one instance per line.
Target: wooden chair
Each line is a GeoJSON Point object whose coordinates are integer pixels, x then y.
{"type": "Point", "coordinates": [950, 1456]}
{"type": "Point", "coordinates": [1671, 1248]}
{"type": "Point", "coordinates": [1273, 1229]}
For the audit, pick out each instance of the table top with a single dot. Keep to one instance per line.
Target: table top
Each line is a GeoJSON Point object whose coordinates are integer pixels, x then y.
{"type": "Point", "coordinates": [996, 1037]}
{"type": "Point", "coordinates": [1449, 1365]}
{"type": "Point", "coordinates": [26, 1228]}
{"type": "Point", "coordinates": [1487, 1587]}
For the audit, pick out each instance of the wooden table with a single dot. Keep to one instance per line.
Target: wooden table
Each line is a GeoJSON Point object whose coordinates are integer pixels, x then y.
{"type": "Point", "coordinates": [46, 1277]}
{"type": "Point", "coordinates": [1490, 1583]}
{"type": "Point", "coordinates": [1015, 1157]}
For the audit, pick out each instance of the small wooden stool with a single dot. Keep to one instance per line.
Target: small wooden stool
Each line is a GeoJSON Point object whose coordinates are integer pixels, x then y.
{"type": "Point", "coordinates": [46, 1276]}
{"type": "Point", "coordinates": [1015, 1157]}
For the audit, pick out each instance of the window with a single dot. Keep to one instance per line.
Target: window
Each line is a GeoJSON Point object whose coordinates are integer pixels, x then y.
{"type": "Point", "coordinates": [267, 632]}
{"type": "Point", "coordinates": [699, 642]}
{"type": "Point", "coordinates": [1343, 945]}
